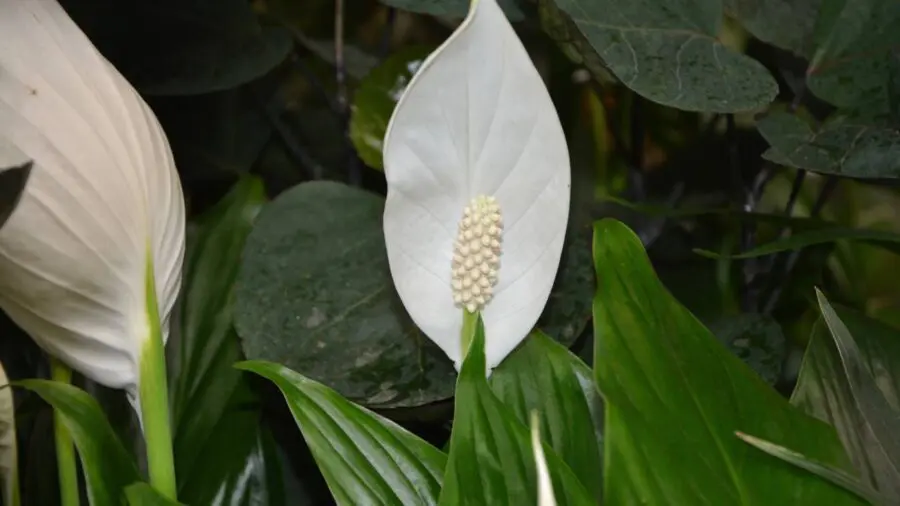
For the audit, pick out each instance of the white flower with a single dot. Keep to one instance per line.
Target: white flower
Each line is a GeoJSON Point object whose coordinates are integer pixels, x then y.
{"type": "Point", "coordinates": [102, 205]}
{"type": "Point", "coordinates": [476, 128]}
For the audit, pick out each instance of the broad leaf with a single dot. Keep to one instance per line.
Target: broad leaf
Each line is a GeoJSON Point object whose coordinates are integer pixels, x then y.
{"type": "Point", "coordinates": [9, 455]}
{"type": "Point", "coordinates": [787, 24]}
{"type": "Point", "coordinates": [315, 294]}
{"type": "Point", "coordinates": [107, 466]}
{"type": "Point", "coordinates": [452, 8]}
{"type": "Point", "coordinates": [851, 66]}
{"type": "Point", "coordinates": [756, 339]}
{"type": "Point", "coordinates": [218, 436]}
{"type": "Point", "coordinates": [142, 494]}
{"type": "Point", "coordinates": [365, 458]}
{"type": "Point", "coordinates": [670, 54]}
{"type": "Point", "coordinates": [675, 397]}
{"type": "Point", "coordinates": [375, 99]}
{"type": "Point", "coordinates": [183, 48]}
{"type": "Point", "coordinates": [826, 391]}
{"type": "Point", "coordinates": [845, 145]}
{"type": "Point", "coordinates": [491, 460]}
{"type": "Point", "coordinates": [544, 377]}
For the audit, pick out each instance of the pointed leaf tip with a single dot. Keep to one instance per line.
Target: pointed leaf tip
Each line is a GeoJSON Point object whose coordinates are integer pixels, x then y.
{"type": "Point", "coordinates": [468, 96]}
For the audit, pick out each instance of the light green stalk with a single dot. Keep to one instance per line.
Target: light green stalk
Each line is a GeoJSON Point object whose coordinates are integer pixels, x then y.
{"type": "Point", "coordinates": [65, 449]}
{"type": "Point", "coordinates": [470, 322]}
{"type": "Point", "coordinates": [154, 398]}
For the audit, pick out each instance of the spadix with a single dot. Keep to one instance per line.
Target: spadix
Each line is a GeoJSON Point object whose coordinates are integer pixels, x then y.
{"type": "Point", "coordinates": [478, 179]}
{"type": "Point", "coordinates": [102, 215]}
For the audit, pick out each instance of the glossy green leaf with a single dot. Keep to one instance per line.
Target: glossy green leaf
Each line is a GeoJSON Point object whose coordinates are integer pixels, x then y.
{"type": "Point", "coordinates": [837, 476]}
{"type": "Point", "coordinates": [855, 387]}
{"type": "Point", "coordinates": [107, 465]}
{"type": "Point", "coordinates": [491, 459]}
{"type": "Point", "coordinates": [851, 66]}
{"type": "Point", "coordinates": [452, 8]}
{"type": "Point", "coordinates": [675, 396]}
{"type": "Point", "coordinates": [670, 54]}
{"type": "Point", "coordinates": [375, 99]}
{"type": "Point", "coordinates": [365, 458]}
{"type": "Point", "coordinates": [852, 146]}
{"type": "Point", "coordinates": [219, 451]}
{"type": "Point", "coordinates": [545, 377]}
{"type": "Point", "coordinates": [315, 294]}
{"type": "Point", "coordinates": [142, 494]}
{"type": "Point", "coordinates": [787, 24]}
{"type": "Point", "coordinates": [173, 47]}
{"type": "Point", "coordinates": [9, 455]}
{"type": "Point", "coordinates": [756, 339]}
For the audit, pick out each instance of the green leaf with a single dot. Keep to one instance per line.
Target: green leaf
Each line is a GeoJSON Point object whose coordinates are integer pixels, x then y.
{"type": "Point", "coordinates": [375, 99]}
{"type": "Point", "coordinates": [107, 466]}
{"type": "Point", "coordinates": [675, 397]}
{"type": "Point", "coordinates": [855, 386]}
{"type": "Point", "coordinates": [845, 145]}
{"type": "Point", "coordinates": [9, 455]}
{"type": "Point", "coordinates": [884, 239]}
{"type": "Point", "coordinates": [315, 294]}
{"type": "Point", "coordinates": [670, 54]}
{"type": "Point", "coordinates": [142, 494]}
{"type": "Point", "coordinates": [365, 458]}
{"type": "Point", "coordinates": [218, 435]}
{"type": "Point", "coordinates": [756, 339]}
{"type": "Point", "coordinates": [836, 476]}
{"type": "Point", "coordinates": [175, 47]}
{"type": "Point", "coordinates": [787, 24]}
{"type": "Point", "coordinates": [491, 459]}
{"type": "Point", "coordinates": [543, 376]}
{"type": "Point", "coordinates": [852, 62]}
{"type": "Point", "coordinates": [452, 8]}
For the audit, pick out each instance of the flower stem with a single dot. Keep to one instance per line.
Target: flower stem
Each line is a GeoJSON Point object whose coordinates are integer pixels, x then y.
{"type": "Point", "coordinates": [65, 449]}
{"type": "Point", "coordinates": [154, 399]}
{"type": "Point", "coordinates": [470, 322]}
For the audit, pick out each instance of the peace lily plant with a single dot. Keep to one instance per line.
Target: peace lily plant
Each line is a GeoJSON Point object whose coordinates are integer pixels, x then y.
{"type": "Point", "coordinates": [478, 179]}
{"type": "Point", "coordinates": [91, 259]}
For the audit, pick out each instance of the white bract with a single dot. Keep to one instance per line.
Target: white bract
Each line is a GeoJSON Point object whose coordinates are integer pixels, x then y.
{"type": "Point", "coordinates": [102, 206]}
{"type": "Point", "coordinates": [478, 188]}
{"type": "Point", "coordinates": [545, 484]}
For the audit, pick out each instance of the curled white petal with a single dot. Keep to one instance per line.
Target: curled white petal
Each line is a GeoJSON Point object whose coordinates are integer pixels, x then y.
{"type": "Point", "coordinates": [476, 120]}
{"type": "Point", "coordinates": [102, 204]}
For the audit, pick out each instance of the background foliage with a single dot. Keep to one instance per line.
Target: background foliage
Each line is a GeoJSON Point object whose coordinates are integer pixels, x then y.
{"type": "Point", "coordinates": [752, 146]}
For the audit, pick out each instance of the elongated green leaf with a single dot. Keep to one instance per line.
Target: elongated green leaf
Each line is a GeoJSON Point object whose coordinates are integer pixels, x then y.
{"type": "Point", "coordinates": [670, 54]}
{"type": "Point", "coordinates": [836, 476]}
{"type": "Point", "coordinates": [217, 430]}
{"type": "Point", "coordinates": [543, 376]}
{"type": "Point", "coordinates": [491, 459]}
{"type": "Point", "coordinates": [885, 239]}
{"type": "Point", "coordinates": [142, 494]}
{"type": "Point", "coordinates": [675, 397]}
{"type": "Point", "coordinates": [9, 455]}
{"type": "Point", "coordinates": [845, 145]}
{"type": "Point", "coordinates": [365, 458]}
{"type": "Point", "coordinates": [859, 393]}
{"type": "Point", "coordinates": [107, 466]}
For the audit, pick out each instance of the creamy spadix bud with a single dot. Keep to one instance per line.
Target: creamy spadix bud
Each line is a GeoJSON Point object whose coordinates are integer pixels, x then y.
{"type": "Point", "coordinates": [476, 254]}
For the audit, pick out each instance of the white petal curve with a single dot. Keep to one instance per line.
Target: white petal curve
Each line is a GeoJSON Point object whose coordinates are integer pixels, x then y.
{"type": "Point", "coordinates": [103, 194]}
{"type": "Point", "coordinates": [476, 119]}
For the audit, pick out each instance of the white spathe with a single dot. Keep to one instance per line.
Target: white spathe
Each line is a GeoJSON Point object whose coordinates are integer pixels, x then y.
{"type": "Point", "coordinates": [102, 203]}
{"type": "Point", "coordinates": [476, 119]}
{"type": "Point", "coordinates": [544, 484]}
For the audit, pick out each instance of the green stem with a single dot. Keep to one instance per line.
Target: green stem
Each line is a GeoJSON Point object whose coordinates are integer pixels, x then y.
{"type": "Point", "coordinates": [153, 395]}
{"type": "Point", "coordinates": [470, 322]}
{"type": "Point", "coordinates": [65, 449]}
